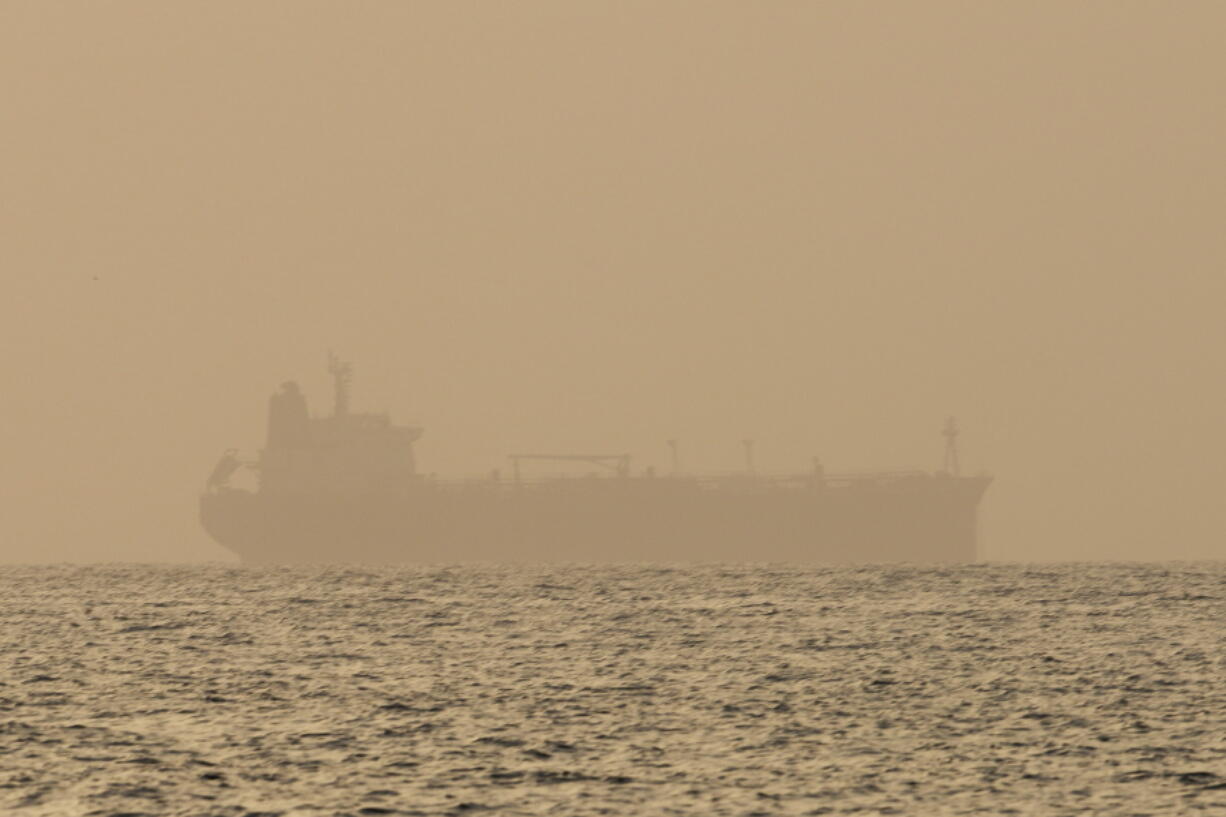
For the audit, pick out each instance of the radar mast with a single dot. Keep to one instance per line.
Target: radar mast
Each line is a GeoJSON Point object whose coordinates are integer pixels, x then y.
{"type": "Point", "coordinates": [950, 433]}
{"type": "Point", "coordinates": [342, 376]}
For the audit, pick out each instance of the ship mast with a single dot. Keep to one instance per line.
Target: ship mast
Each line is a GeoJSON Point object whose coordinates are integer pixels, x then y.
{"type": "Point", "coordinates": [342, 375]}
{"type": "Point", "coordinates": [950, 433]}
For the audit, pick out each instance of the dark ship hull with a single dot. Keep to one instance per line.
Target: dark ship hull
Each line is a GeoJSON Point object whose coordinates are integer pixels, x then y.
{"type": "Point", "coordinates": [911, 518]}
{"type": "Point", "coordinates": [345, 488]}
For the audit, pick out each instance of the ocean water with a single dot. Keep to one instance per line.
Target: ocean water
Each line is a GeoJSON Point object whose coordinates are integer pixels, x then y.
{"type": "Point", "coordinates": [572, 690]}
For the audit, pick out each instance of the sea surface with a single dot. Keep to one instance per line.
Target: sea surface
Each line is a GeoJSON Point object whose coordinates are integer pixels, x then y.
{"type": "Point", "coordinates": [581, 690]}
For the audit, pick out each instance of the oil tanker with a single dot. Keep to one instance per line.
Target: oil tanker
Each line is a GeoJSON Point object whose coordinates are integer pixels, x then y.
{"type": "Point", "coordinates": [346, 488]}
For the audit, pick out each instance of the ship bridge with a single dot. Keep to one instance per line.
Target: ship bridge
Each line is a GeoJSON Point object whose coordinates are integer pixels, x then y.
{"type": "Point", "coordinates": [341, 453]}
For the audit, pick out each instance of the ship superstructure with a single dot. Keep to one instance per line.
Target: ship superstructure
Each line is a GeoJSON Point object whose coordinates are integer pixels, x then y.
{"type": "Point", "coordinates": [345, 487]}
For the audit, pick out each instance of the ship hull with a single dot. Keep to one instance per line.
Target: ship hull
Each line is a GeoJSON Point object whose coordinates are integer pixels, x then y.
{"type": "Point", "coordinates": [921, 519]}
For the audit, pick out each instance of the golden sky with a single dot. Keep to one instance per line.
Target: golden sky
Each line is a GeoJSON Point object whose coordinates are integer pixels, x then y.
{"type": "Point", "coordinates": [597, 226]}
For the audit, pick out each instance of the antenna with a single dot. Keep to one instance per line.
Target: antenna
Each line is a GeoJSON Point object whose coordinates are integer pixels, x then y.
{"type": "Point", "coordinates": [342, 376]}
{"type": "Point", "coordinates": [676, 460]}
{"type": "Point", "coordinates": [950, 433]}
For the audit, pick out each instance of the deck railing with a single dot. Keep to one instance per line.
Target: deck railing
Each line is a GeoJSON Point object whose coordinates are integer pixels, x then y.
{"type": "Point", "coordinates": [711, 481]}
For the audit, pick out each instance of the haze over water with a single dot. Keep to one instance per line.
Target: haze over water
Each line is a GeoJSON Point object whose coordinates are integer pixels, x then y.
{"type": "Point", "coordinates": [714, 690]}
{"type": "Point", "coordinates": [596, 226]}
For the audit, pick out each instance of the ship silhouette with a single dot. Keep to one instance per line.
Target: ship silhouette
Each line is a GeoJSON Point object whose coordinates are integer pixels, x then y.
{"type": "Point", "coordinates": [346, 488]}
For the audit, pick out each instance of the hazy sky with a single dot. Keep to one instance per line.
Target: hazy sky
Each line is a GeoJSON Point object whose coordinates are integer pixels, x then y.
{"type": "Point", "coordinates": [596, 226]}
